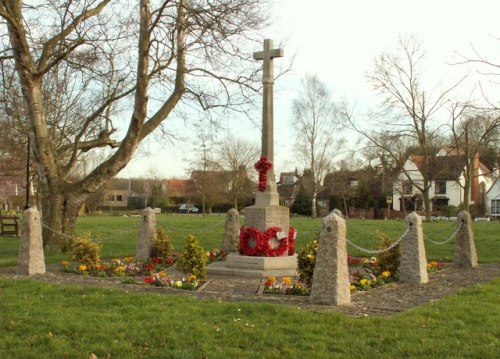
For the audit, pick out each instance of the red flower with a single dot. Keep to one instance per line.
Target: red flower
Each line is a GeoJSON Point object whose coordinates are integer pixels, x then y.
{"type": "Point", "coordinates": [149, 280]}
{"type": "Point", "coordinates": [268, 283]}
{"type": "Point", "coordinates": [156, 260]}
{"type": "Point", "coordinates": [150, 267]}
{"type": "Point", "coordinates": [170, 260]}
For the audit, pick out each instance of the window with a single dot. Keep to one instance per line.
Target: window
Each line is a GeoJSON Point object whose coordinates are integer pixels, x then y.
{"type": "Point", "coordinates": [354, 183]}
{"type": "Point", "coordinates": [119, 198]}
{"type": "Point", "coordinates": [289, 180]}
{"type": "Point", "coordinates": [407, 188]}
{"type": "Point", "coordinates": [495, 206]}
{"type": "Point", "coordinates": [440, 187]}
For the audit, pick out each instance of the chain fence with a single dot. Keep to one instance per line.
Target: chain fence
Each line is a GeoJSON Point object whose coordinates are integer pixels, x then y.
{"type": "Point", "coordinates": [453, 235]}
{"type": "Point", "coordinates": [382, 250]}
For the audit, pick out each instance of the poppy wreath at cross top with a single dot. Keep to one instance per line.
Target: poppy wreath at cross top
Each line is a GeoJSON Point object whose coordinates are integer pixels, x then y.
{"type": "Point", "coordinates": [273, 242]}
{"type": "Point", "coordinates": [262, 166]}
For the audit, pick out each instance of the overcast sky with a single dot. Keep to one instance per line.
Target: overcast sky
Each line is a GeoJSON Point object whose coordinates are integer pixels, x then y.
{"type": "Point", "coordinates": [338, 41]}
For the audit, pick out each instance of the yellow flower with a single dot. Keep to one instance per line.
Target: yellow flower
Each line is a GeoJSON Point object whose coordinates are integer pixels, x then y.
{"type": "Point", "coordinates": [365, 260]}
{"type": "Point", "coordinates": [287, 281]}
{"type": "Point", "coordinates": [163, 274]}
{"type": "Point", "coordinates": [364, 282]}
{"type": "Point", "coordinates": [128, 259]}
{"type": "Point", "coordinates": [82, 267]}
{"type": "Point", "coordinates": [386, 274]}
{"type": "Point", "coordinates": [271, 279]}
{"type": "Point", "coordinates": [98, 266]}
{"type": "Point", "coordinates": [120, 269]}
{"type": "Point", "coordinates": [311, 257]}
{"type": "Point", "coordinates": [352, 288]}
{"type": "Point", "coordinates": [65, 263]}
{"type": "Point", "coordinates": [116, 260]}
{"type": "Point", "coordinates": [178, 284]}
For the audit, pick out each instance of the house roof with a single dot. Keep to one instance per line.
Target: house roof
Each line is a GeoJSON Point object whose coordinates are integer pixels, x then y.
{"type": "Point", "coordinates": [180, 187]}
{"type": "Point", "coordinates": [443, 167]}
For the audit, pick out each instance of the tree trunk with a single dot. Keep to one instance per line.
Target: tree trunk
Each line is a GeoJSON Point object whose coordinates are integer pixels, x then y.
{"type": "Point", "coordinates": [427, 205]}
{"type": "Point", "coordinates": [59, 214]}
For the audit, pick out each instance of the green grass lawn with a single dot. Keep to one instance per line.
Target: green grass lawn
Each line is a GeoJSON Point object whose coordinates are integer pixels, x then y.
{"type": "Point", "coordinates": [119, 234]}
{"type": "Point", "coordinates": [41, 320]}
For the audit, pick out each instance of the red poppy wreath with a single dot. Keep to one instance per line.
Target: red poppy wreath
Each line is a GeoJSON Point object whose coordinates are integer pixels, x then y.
{"type": "Point", "coordinates": [256, 243]}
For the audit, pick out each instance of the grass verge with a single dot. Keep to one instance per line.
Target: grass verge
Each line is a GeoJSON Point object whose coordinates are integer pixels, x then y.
{"type": "Point", "coordinates": [58, 321]}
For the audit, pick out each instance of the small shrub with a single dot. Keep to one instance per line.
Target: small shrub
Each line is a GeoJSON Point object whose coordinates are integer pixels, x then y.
{"type": "Point", "coordinates": [86, 251]}
{"type": "Point", "coordinates": [162, 246]}
{"type": "Point", "coordinates": [194, 259]}
{"type": "Point", "coordinates": [389, 260]}
{"type": "Point", "coordinates": [306, 261]}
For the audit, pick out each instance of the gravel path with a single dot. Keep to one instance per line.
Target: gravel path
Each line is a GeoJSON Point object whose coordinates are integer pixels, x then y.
{"type": "Point", "coordinates": [385, 300]}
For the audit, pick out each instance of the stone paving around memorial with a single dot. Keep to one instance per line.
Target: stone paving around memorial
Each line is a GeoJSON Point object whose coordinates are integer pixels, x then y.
{"type": "Point", "coordinates": [385, 300]}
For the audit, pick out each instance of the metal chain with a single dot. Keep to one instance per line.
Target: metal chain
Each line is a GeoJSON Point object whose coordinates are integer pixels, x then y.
{"type": "Point", "coordinates": [446, 240]}
{"type": "Point", "coordinates": [378, 251]}
{"type": "Point", "coordinates": [67, 237]}
{"type": "Point", "coordinates": [57, 232]}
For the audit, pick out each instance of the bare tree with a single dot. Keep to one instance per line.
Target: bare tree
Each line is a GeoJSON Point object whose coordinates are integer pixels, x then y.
{"type": "Point", "coordinates": [316, 125]}
{"type": "Point", "coordinates": [182, 51]}
{"type": "Point", "coordinates": [408, 120]}
{"type": "Point", "coordinates": [236, 157]}
{"type": "Point", "coordinates": [472, 130]}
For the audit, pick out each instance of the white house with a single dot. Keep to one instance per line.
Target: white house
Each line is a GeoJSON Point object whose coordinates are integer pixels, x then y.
{"type": "Point", "coordinates": [446, 187]}
{"type": "Point", "coordinates": [492, 197]}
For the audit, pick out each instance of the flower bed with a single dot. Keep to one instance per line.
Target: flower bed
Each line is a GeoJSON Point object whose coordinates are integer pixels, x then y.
{"type": "Point", "coordinates": [364, 274]}
{"type": "Point", "coordinates": [153, 270]}
{"type": "Point", "coordinates": [119, 267]}
{"type": "Point", "coordinates": [162, 279]}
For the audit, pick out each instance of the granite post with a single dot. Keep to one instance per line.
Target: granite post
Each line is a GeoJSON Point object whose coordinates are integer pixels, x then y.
{"type": "Point", "coordinates": [330, 283]}
{"type": "Point", "coordinates": [413, 265]}
{"type": "Point", "coordinates": [31, 258]}
{"type": "Point", "coordinates": [230, 239]}
{"type": "Point", "coordinates": [147, 235]}
{"type": "Point", "coordinates": [465, 250]}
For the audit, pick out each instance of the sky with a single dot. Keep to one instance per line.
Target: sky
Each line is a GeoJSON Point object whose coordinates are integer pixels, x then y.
{"type": "Point", "coordinates": [338, 41]}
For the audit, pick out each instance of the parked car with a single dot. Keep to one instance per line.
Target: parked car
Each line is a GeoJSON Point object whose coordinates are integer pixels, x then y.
{"type": "Point", "coordinates": [188, 208]}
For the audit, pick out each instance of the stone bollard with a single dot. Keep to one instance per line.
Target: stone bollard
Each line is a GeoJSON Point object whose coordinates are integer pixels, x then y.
{"type": "Point", "coordinates": [465, 250]}
{"type": "Point", "coordinates": [330, 283]}
{"type": "Point", "coordinates": [147, 235]}
{"type": "Point", "coordinates": [338, 212]}
{"type": "Point", "coordinates": [413, 265]}
{"type": "Point", "coordinates": [230, 239]}
{"type": "Point", "coordinates": [31, 259]}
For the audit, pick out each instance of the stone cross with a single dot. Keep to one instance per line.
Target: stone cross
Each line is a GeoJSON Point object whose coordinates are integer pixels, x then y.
{"type": "Point", "coordinates": [267, 55]}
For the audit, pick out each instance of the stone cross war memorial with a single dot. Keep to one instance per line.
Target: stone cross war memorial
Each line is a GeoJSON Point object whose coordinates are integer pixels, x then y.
{"type": "Point", "coordinates": [266, 239]}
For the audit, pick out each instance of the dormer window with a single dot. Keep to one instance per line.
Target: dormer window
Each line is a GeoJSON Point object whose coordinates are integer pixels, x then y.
{"type": "Point", "coordinates": [440, 187]}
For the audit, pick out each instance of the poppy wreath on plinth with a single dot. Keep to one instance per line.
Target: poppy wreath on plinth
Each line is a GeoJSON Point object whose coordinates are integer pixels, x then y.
{"type": "Point", "coordinates": [246, 236]}
{"type": "Point", "coordinates": [291, 241]}
{"type": "Point", "coordinates": [260, 241]}
{"type": "Point", "coordinates": [280, 236]}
